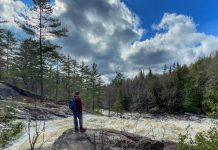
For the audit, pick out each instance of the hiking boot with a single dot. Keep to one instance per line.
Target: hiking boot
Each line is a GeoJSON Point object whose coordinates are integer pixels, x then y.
{"type": "Point", "coordinates": [76, 130]}
{"type": "Point", "coordinates": [82, 130]}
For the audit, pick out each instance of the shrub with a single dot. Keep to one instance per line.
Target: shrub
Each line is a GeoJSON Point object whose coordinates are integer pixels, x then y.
{"type": "Point", "coordinates": [9, 128]}
{"type": "Point", "coordinates": [10, 133]}
{"type": "Point", "coordinates": [210, 103]}
{"type": "Point", "coordinates": [202, 141]}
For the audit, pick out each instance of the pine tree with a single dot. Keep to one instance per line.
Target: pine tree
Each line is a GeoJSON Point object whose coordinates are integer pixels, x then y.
{"type": "Point", "coordinates": [67, 69]}
{"type": "Point", "coordinates": [27, 65]}
{"type": "Point", "coordinates": [117, 83]}
{"type": "Point", "coordinates": [150, 74]}
{"type": "Point", "coordinates": [119, 78]}
{"type": "Point", "coordinates": [84, 72]}
{"type": "Point", "coordinates": [170, 70]}
{"type": "Point", "coordinates": [40, 25]}
{"type": "Point", "coordinates": [2, 46]}
{"type": "Point", "coordinates": [95, 86]}
{"type": "Point", "coordinates": [165, 69]}
{"type": "Point", "coordinates": [59, 60]}
{"type": "Point", "coordinates": [75, 75]}
{"type": "Point", "coordinates": [9, 48]}
{"type": "Point", "coordinates": [174, 67]}
{"type": "Point", "coordinates": [108, 98]}
{"type": "Point", "coordinates": [50, 74]}
{"type": "Point", "coordinates": [1, 56]}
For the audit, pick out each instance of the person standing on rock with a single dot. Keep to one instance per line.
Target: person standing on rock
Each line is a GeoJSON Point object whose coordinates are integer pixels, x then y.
{"type": "Point", "coordinates": [75, 105]}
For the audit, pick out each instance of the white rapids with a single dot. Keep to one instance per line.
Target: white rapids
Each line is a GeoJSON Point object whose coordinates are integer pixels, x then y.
{"type": "Point", "coordinates": [156, 128]}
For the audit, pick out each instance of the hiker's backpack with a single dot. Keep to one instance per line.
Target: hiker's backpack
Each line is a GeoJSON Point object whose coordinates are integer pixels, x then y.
{"type": "Point", "coordinates": [73, 104]}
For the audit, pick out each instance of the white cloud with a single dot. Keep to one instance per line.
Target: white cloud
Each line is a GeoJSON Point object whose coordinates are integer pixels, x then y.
{"type": "Point", "coordinates": [105, 79]}
{"type": "Point", "coordinates": [9, 10]}
{"type": "Point", "coordinates": [98, 30]}
{"type": "Point", "coordinates": [59, 8]}
{"type": "Point", "coordinates": [176, 40]}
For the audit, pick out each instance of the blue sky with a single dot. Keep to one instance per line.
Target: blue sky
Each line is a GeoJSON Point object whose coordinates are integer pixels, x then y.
{"type": "Point", "coordinates": [28, 2]}
{"type": "Point", "coordinates": [204, 12]}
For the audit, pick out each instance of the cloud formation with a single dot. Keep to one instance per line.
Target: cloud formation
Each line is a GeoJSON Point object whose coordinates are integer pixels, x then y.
{"type": "Point", "coordinates": [9, 10]}
{"type": "Point", "coordinates": [108, 33]}
{"type": "Point", "coordinates": [98, 30]}
{"type": "Point", "coordinates": [176, 40]}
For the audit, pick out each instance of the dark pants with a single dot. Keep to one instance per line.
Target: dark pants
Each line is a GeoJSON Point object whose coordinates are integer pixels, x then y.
{"type": "Point", "coordinates": [80, 118]}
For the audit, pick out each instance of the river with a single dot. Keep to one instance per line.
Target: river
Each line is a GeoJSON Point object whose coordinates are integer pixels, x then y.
{"type": "Point", "coordinates": [159, 128]}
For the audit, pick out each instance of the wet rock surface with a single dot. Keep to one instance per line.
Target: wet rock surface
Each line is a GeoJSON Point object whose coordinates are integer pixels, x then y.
{"type": "Point", "coordinates": [9, 90]}
{"type": "Point", "coordinates": [6, 91]}
{"type": "Point", "coordinates": [28, 105]}
{"type": "Point", "coordinates": [108, 140]}
{"type": "Point", "coordinates": [73, 141]}
{"type": "Point", "coordinates": [40, 111]}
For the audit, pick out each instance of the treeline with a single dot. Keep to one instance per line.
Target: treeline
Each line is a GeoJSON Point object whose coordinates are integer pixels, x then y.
{"type": "Point", "coordinates": [36, 64]}
{"type": "Point", "coordinates": [179, 89]}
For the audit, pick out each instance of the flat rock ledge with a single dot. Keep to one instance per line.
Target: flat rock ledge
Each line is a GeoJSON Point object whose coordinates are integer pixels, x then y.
{"type": "Point", "coordinates": [95, 139]}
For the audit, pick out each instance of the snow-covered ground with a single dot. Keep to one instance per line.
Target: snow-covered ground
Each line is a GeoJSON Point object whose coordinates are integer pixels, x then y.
{"type": "Point", "coordinates": [167, 128]}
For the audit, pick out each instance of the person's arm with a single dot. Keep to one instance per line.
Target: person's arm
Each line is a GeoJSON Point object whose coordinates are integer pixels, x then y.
{"type": "Point", "coordinates": [79, 104]}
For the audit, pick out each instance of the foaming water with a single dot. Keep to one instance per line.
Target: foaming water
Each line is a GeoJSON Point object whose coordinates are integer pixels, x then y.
{"type": "Point", "coordinates": [155, 128]}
